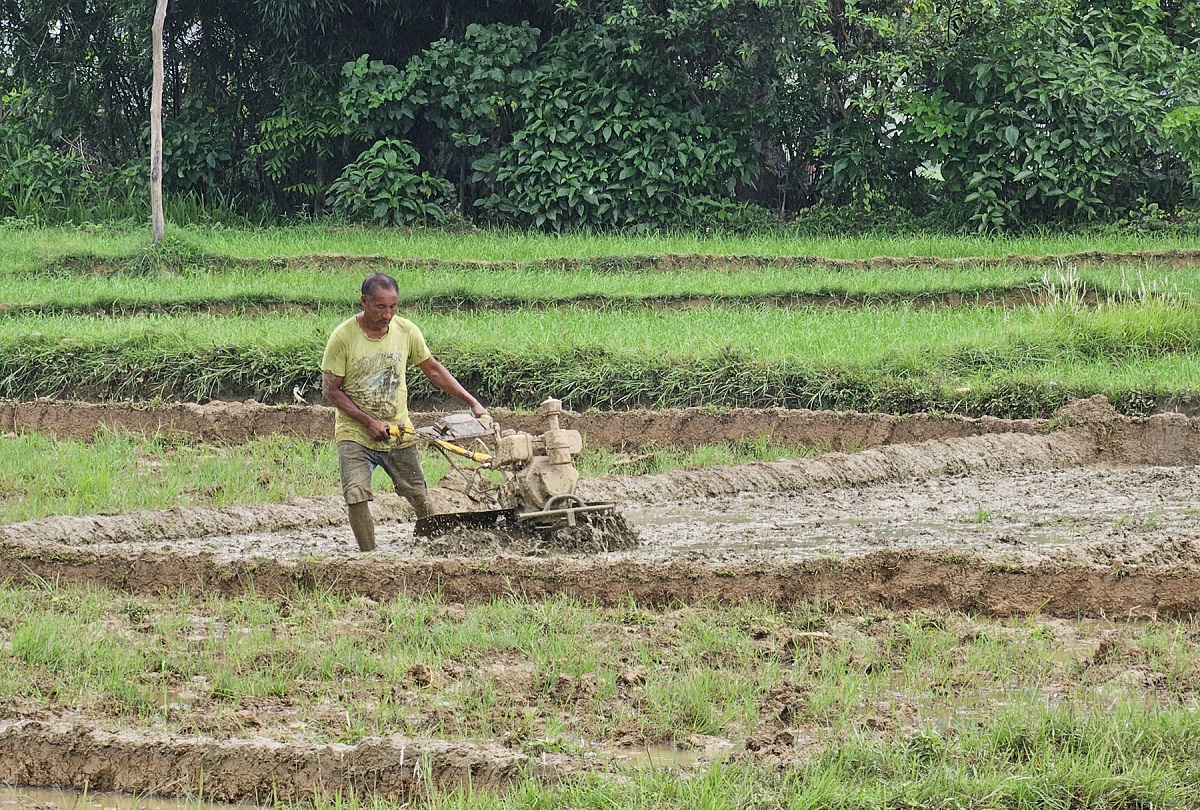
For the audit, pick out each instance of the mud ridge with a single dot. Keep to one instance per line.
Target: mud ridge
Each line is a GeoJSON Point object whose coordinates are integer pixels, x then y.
{"type": "Point", "coordinates": [259, 771]}
{"type": "Point", "coordinates": [895, 580]}
{"type": "Point", "coordinates": [1073, 447]}
{"type": "Point", "coordinates": [667, 262]}
{"type": "Point", "coordinates": [238, 422]}
{"type": "Point", "coordinates": [633, 430]}
{"type": "Point", "coordinates": [196, 521]}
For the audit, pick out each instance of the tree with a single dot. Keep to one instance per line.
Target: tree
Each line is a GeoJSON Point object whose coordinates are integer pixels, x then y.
{"type": "Point", "coordinates": [156, 141]}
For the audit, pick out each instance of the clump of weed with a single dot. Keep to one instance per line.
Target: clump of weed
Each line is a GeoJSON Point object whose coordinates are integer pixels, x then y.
{"type": "Point", "coordinates": [168, 256]}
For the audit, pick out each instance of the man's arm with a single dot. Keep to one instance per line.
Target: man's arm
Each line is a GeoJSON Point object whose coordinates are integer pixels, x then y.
{"type": "Point", "coordinates": [444, 380]}
{"type": "Point", "coordinates": [331, 386]}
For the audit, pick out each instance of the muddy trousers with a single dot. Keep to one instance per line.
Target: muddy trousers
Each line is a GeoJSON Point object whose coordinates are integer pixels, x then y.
{"type": "Point", "coordinates": [357, 463]}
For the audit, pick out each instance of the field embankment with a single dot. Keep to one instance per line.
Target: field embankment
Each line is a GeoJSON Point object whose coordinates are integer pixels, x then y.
{"type": "Point", "coordinates": [237, 422]}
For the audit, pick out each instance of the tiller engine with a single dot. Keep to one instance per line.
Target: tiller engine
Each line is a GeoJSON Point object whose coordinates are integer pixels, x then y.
{"type": "Point", "coordinates": [519, 480]}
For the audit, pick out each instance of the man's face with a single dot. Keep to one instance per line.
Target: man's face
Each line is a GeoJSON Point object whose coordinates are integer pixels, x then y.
{"type": "Point", "coordinates": [378, 308]}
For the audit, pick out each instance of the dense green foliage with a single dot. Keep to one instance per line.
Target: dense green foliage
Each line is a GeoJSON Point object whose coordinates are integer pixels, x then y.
{"type": "Point", "coordinates": [382, 186]}
{"type": "Point", "coordinates": [600, 114]}
{"type": "Point", "coordinates": [1047, 111]}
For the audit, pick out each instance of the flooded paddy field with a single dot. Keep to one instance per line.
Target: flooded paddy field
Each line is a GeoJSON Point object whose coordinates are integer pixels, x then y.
{"type": "Point", "coordinates": [1077, 535]}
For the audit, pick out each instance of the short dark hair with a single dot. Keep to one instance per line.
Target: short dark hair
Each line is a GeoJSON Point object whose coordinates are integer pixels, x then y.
{"type": "Point", "coordinates": [379, 281]}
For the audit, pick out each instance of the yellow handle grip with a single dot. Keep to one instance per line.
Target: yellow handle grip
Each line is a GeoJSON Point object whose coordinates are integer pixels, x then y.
{"type": "Point", "coordinates": [477, 457]}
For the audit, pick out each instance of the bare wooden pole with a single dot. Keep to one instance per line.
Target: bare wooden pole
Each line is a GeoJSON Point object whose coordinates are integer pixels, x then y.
{"type": "Point", "coordinates": [156, 136]}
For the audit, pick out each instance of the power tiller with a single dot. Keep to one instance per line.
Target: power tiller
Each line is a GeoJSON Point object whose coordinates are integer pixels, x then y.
{"type": "Point", "coordinates": [516, 480]}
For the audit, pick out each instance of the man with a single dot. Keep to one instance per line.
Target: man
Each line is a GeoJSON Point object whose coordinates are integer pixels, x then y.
{"type": "Point", "coordinates": [363, 376]}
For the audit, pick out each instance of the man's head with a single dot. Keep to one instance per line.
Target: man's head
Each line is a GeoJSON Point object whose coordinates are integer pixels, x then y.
{"type": "Point", "coordinates": [379, 281]}
{"type": "Point", "coordinates": [380, 297]}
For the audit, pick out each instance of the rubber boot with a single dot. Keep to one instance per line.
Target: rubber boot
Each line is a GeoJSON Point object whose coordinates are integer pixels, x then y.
{"type": "Point", "coordinates": [420, 504]}
{"type": "Point", "coordinates": [363, 525]}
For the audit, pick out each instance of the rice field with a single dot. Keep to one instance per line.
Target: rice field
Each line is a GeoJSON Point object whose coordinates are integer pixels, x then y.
{"type": "Point", "coordinates": [635, 699]}
{"type": "Point", "coordinates": [226, 323]}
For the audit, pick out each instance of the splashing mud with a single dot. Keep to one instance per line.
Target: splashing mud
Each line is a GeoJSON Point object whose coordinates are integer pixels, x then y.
{"type": "Point", "coordinates": [593, 534]}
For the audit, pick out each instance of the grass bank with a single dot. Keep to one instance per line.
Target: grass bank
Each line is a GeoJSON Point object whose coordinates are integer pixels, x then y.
{"type": "Point", "coordinates": [820, 706]}
{"type": "Point", "coordinates": [28, 247]}
{"type": "Point", "coordinates": [334, 288]}
{"type": "Point", "coordinates": [175, 323]}
{"type": "Point", "coordinates": [976, 360]}
{"type": "Point", "coordinates": [120, 472]}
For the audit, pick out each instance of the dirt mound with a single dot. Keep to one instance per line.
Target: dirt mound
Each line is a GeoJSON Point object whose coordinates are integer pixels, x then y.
{"type": "Point", "coordinates": [238, 422]}
{"type": "Point", "coordinates": [1091, 411]}
{"type": "Point", "coordinates": [261, 771]}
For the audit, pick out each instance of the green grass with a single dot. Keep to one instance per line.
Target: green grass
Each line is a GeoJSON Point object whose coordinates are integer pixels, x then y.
{"type": "Point", "coordinates": [335, 288]}
{"type": "Point", "coordinates": [25, 247]}
{"type": "Point", "coordinates": [118, 472]}
{"type": "Point", "coordinates": [883, 710]}
{"type": "Point", "coordinates": [1022, 362]}
{"type": "Point", "coordinates": [172, 324]}
{"type": "Point", "coordinates": [121, 472]}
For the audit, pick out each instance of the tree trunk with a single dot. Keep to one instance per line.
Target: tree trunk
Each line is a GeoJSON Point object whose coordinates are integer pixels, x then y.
{"type": "Point", "coordinates": [156, 137]}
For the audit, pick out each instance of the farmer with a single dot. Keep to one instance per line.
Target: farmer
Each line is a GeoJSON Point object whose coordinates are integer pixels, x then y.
{"type": "Point", "coordinates": [363, 376]}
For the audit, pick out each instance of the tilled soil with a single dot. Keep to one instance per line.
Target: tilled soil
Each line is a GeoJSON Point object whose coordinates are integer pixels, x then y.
{"type": "Point", "coordinates": [1098, 515]}
{"type": "Point", "coordinates": [1090, 514]}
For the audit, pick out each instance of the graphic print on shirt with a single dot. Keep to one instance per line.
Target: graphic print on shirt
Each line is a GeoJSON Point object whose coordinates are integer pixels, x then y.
{"type": "Point", "coordinates": [378, 382]}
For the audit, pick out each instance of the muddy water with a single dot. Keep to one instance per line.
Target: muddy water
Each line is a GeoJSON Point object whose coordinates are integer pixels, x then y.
{"type": "Point", "coordinates": [1144, 514]}
{"type": "Point", "coordinates": [22, 798]}
{"type": "Point", "coordinates": [1038, 510]}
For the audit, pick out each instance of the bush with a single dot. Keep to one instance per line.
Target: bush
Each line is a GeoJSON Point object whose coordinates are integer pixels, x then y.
{"type": "Point", "coordinates": [382, 187]}
{"type": "Point", "coordinates": [1045, 111]}
{"type": "Point", "coordinates": [600, 146]}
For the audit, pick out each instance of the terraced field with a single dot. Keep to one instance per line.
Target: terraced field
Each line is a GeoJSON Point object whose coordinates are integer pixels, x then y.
{"type": "Point", "coordinates": [928, 463]}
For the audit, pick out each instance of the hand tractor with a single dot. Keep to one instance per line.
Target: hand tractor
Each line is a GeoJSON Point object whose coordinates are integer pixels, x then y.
{"type": "Point", "coordinates": [519, 482]}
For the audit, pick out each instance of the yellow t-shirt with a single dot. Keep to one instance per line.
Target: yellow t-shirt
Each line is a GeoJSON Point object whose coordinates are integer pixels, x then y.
{"type": "Point", "coordinates": [373, 375]}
